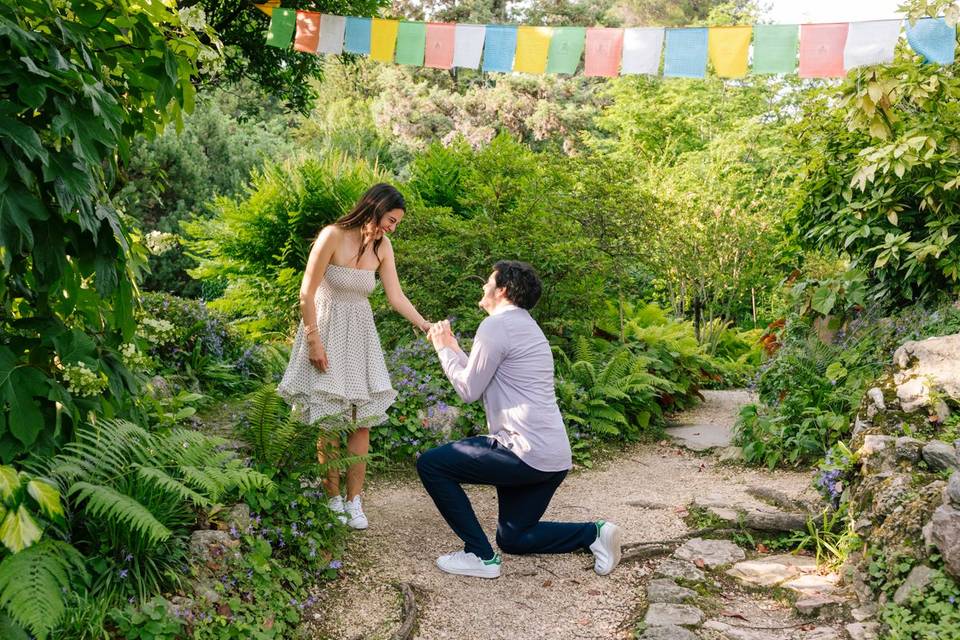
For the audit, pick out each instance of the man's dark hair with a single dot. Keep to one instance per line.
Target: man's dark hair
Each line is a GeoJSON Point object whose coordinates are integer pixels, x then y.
{"type": "Point", "coordinates": [521, 282]}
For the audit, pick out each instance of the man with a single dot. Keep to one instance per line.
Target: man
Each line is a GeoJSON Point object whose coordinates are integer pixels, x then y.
{"type": "Point", "coordinates": [527, 454]}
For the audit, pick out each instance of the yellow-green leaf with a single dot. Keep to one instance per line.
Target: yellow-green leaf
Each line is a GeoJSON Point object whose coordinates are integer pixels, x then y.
{"type": "Point", "coordinates": [9, 482]}
{"type": "Point", "coordinates": [892, 217]}
{"type": "Point", "coordinates": [46, 496]}
{"type": "Point", "coordinates": [19, 530]}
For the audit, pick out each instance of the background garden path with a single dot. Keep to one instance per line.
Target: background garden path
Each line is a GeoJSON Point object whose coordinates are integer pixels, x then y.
{"type": "Point", "coordinates": [644, 489]}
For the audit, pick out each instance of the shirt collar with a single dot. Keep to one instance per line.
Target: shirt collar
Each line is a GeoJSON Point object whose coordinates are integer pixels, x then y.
{"type": "Point", "coordinates": [503, 308]}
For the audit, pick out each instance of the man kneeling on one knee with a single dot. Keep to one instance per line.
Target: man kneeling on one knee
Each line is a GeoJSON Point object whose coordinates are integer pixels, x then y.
{"type": "Point", "coordinates": [526, 455]}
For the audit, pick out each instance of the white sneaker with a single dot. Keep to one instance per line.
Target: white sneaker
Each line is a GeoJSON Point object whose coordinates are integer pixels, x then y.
{"type": "Point", "coordinates": [336, 505]}
{"type": "Point", "coordinates": [606, 548]}
{"type": "Point", "coordinates": [355, 517]}
{"type": "Point", "coordinates": [462, 563]}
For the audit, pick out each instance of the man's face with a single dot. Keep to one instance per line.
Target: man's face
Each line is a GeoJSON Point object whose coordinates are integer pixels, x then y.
{"type": "Point", "coordinates": [492, 296]}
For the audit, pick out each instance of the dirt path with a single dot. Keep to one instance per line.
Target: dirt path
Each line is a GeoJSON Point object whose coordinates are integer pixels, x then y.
{"type": "Point", "coordinates": [536, 597]}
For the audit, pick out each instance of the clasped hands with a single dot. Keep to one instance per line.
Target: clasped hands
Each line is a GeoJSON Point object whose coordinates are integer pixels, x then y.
{"type": "Point", "coordinates": [441, 336]}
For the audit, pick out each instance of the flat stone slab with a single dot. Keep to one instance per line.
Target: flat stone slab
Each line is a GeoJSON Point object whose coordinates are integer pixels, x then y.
{"type": "Point", "coordinates": [667, 632]}
{"type": "Point", "coordinates": [863, 630]}
{"type": "Point", "coordinates": [812, 584]}
{"type": "Point", "coordinates": [809, 605]}
{"type": "Point", "coordinates": [772, 570]}
{"type": "Point", "coordinates": [666, 590]}
{"type": "Point", "coordinates": [760, 518]}
{"type": "Point", "coordinates": [680, 570]}
{"type": "Point", "coordinates": [712, 553]}
{"type": "Point", "coordinates": [661, 614]}
{"type": "Point", "coordinates": [702, 437]}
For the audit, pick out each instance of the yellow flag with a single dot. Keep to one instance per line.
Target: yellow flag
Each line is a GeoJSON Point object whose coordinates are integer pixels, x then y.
{"type": "Point", "coordinates": [533, 43]}
{"type": "Point", "coordinates": [268, 6]}
{"type": "Point", "coordinates": [728, 47]}
{"type": "Point", "coordinates": [383, 39]}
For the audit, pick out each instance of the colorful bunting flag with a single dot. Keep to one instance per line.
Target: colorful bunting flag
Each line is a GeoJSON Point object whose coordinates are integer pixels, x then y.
{"type": "Point", "coordinates": [775, 48]}
{"type": "Point", "coordinates": [933, 39]}
{"type": "Point", "coordinates": [308, 31]}
{"type": "Point", "coordinates": [641, 50]}
{"type": "Point", "coordinates": [268, 6]}
{"type": "Point", "coordinates": [604, 48]}
{"type": "Point", "coordinates": [499, 47]}
{"type": "Point", "coordinates": [439, 47]}
{"type": "Point", "coordinates": [821, 50]}
{"type": "Point", "coordinates": [383, 39]}
{"type": "Point", "coordinates": [468, 45]}
{"type": "Point", "coordinates": [686, 53]}
{"type": "Point", "coordinates": [411, 41]}
{"type": "Point", "coordinates": [331, 34]}
{"type": "Point", "coordinates": [282, 24]}
{"type": "Point", "coordinates": [533, 44]}
{"type": "Point", "coordinates": [870, 43]}
{"type": "Point", "coordinates": [566, 47]}
{"type": "Point", "coordinates": [356, 36]}
{"type": "Point", "coordinates": [728, 48]}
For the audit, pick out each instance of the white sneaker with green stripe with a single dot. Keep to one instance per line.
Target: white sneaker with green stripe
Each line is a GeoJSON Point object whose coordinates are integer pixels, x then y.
{"type": "Point", "coordinates": [606, 548]}
{"type": "Point", "coordinates": [462, 563]}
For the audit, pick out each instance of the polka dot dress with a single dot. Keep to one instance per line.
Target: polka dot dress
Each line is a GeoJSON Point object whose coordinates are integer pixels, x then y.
{"type": "Point", "coordinates": [356, 372]}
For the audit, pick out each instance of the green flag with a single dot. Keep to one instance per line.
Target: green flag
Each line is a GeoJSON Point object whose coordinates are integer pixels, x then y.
{"type": "Point", "coordinates": [775, 48]}
{"type": "Point", "coordinates": [282, 24]}
{"type": "Point", "coordinates": [411, 41]}
{"type": "Point", "coordinates": [566, 47]}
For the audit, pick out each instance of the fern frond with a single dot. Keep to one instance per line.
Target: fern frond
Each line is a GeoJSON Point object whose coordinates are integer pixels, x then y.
{"type": "Point", "coordinates": [161, 479]}
{"type": "Point", "coordinates": [106, 502]}
{"type": "Point", "coordinates": [33, 584]}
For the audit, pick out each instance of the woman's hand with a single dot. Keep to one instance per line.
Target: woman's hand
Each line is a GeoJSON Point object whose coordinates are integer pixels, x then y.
{"type": "Point", "coordinates": [318, 355]}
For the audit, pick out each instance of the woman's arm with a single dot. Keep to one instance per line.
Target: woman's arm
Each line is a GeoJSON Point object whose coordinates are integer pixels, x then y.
{"type": "Point", "coordinates": [391, 286]}
{"type": "Point", "coordinates": [320, 255]}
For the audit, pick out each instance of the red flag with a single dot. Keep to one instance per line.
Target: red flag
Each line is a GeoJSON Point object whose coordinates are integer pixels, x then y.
{"type": "Point", "coordinates": [821, 50]}
{"type": "Point", "coordinates": [308, 31]}
{"type": "Point", "coordinates": [440, 45]}
{"type": "Point", "coordinates": [604, 48]}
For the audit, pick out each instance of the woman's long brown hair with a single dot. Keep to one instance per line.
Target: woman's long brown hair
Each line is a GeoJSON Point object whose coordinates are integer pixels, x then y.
{"type": "Point", "coordinates": [370, 208]}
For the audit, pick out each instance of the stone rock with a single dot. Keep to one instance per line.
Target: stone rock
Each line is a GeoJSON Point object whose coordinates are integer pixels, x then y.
{"type": "Point", "coordinates": [863, 630]}
{"type": "Point", "coordinates": [918, 580]}
{"type": "Point", "coordinates": [203, 590]}
{"type": "Point", "coordinates": [713, 553]}
{"type": "Point", "coordinates": [908, 448]}
{"type": "Point", "coordinates": [944, 534]}
{"type": "Point", "coordinates": [876, 398]}
{"type": "Point", "coordinates": [761, 518]}
{"type": "Point", "coordinates": [238, 518]}
{"type": "Point", "coordinates": [891, 493]}
{"type": "Point", "coordinates": [859, 426]}
{"type": "Point", "coordinates": [912, 392]}
{"type": "Point", "coordinates": [873, 444]}
{"type": "Point", "coordinates": [731, 632]}
{"type": "Point", "coordinates": [772, 570]}
{"type": "Point", "coordinates": [666, 590]}
{"type": "Point", "coordinates": [934, 360]}
{"type": "Point", "coordinates": [780, 499]}
{"type": "Point", "coordinates": [206, 544]}
{"type": "Point", "coordinates": [729, 455]}
{"type": "Point", "coordinates": [667, 632]}
{"type": "Point", "coordinates": [941, 412]}
{"type": "Point", "coordinates": [952, 493]}
{"type": "Point", "coordinates": [702, 437]}
{"type": "Point", "coordinates": [940, 456]}
{"type": "Point", "coordinates": [685, 615]}
{"type": "Point", "coordinates": [822, 633]}
{"type": "Point", "coordinates": [813, 584]}
{"type": "Point", "coordinates": [864, 612]}
{"type": "Point", "coordinates": [809, 605]}
{"type": "Point", "coordinates": [679, 570]}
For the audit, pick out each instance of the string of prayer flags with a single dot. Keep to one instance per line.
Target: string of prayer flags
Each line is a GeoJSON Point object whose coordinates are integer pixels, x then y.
{"type": "Point", "coordinates": [604, 48]}
{"type": "Point", "coordinates": [468, 45]}
{"type": "Point", "coordinates": [686, 53]}
{"type": "Point", "coordinates": [411, 42]}
{"type": "Point", "coordinates": [642, 47]}
{"type": "Point", "coordinates": [821, 50]}
{"type": "Point", "coordinates": [533, 44]}
{"type": "Point", "coordinates": [933, 39]}
{"type": "Point", "coordinates": [283, 22]}
{"type": "Point", "coordinates": [775, 48]}
{"type": "Point", "coordinates": [268, 6]}
{"type": "Point", "coordinates": [308, 31]}
{"type": "Point", "coordinates": [500, 43]}
{"type": "Point", "coordinates": [729, 48]}
{"type": "Point", "coordinates": [566, 47]}
{"type": "Point", "coordinates": [383, 39]}
{"type": "Point", "coordinates": [356, 36]}
{"type": "Point", "coordinates": [439, 45]}
{"type": "Point", "coordinates": [331, 34]}
{"type": "Point", "coordinates": [870, 43]}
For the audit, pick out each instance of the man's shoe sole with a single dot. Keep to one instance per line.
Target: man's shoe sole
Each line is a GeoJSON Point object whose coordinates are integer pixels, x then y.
{"type": "Point", "coordinates": [613, 540]}
{"type": "Point", "coordinates": [468, 572]}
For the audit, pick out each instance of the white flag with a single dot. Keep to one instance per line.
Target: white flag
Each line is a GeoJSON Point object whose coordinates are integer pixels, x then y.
{"type": "Point", "coordinates": [641, 50]}
{"type": "Point", "coordinates": [870, 43]}
{"type": "Point", "coordinates": [468, 45]}
{"type": "Point", "coordinates": [331, 34]}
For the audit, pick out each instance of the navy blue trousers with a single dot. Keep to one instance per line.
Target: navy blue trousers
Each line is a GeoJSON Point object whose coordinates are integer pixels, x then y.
{"type": "Point", "coordinates": [522, 491]}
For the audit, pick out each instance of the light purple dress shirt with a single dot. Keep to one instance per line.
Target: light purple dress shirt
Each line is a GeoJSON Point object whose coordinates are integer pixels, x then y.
{"type": "Point", "coordinates": [511, 368]}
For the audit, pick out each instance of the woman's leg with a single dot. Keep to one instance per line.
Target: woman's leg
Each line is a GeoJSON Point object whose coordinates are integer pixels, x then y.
{"type": "Point", "coordinates": [358, 444]}
{"type": "Point", "coordinates": [328, 451]}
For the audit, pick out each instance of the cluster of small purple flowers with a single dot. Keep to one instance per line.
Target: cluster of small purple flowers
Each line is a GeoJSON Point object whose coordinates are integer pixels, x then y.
{"type": "Point", "coordinates": [247, 361]}
{"type": "Point", "coordinates": [829, 483]}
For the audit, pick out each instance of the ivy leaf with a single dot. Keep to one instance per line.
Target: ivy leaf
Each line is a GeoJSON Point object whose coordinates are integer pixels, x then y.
{"type": "Point", "coordinates": [46, 496]}
{"type": "Point", "coordinates": [19, 530]}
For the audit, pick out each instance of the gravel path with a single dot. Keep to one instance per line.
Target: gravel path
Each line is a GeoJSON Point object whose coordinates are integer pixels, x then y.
{"type": "Point", "coordinates": [536, 597]}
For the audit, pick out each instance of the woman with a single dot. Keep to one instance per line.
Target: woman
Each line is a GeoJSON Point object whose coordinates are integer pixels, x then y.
{"type": "Point", "coordinates": [336, 366]}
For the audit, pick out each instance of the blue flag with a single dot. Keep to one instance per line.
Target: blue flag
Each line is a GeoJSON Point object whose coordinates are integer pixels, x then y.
{"type": "Point", "coordinates": [356, 36]}
{"type": "Point", "coordinates": [686, 53]}
{"type": "Point", "coordinates": [933, 39]}
{"type": "Point", "coordinates": [499, 47]}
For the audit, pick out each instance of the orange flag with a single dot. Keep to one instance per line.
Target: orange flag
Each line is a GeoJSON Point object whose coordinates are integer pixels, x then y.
{"type": "Point", "coordinates": [308, 31]}
{"type": "Point", "coordinates": [603, 50]}
{"type": "Point", "coordinates": [440, 45]}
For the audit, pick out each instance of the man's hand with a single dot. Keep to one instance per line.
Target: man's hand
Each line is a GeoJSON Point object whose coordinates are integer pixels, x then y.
{"type": "Point", "coordinates": [442, 337]}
